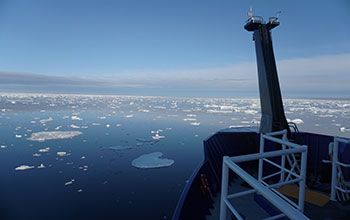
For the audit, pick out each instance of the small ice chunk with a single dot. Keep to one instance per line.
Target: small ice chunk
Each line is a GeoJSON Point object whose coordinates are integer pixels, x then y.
{"type": "Point", "coordinates": [36, 155]}
{"type": "Point", "coordinates": [102, 117]}
{"type": "Point", "coordinates": [80, 190]}
{"type": "Point", "coordinates": [251, 112]}
{"type": "Point", "coordinates": [46, 149]}
{"type": "Point", "coordinates": [83, 157]}
{"type": "Point", "coordinates": [52, 135]}
{"type": "Point", "coordinates": [129, 116]}
{"type": "Point", "coordinates": [118, 125]}
{"type": "Point", "coordinates": [157, 137]}
{"type": "Point", "coordinates": [76, 118]}
{"type": "Point", "coordinates": [74, 126]}
{"type": "Point", "coordinates": [41, 166]}
{"type": "Point", "coordinates": [108, 125]}
{"type": "Point", "coordinates": [69, 182]}
{"type": "Point", "coordinates": [43, 121]}
{"type": "Point", "coordinates": [18, 136]}
{"type": "Point", "coordinates": [296, 121]}
{"type": "Point", "coordinates": [95, 124]}
{"type": "Point", "coordinates": [62, 153]}
{"type": "Point", "coordinates": [3, 146]}
{"type": "Point", "coordinates": [195, 123]}
{"type": "Point", "coordinates": [120, 147]}
{"type": "Point", "coordinates": [190, 119]}
{"type": "Point", "coordinates": [24, 167]}
{"type": "Point", "coordinates": [58, 127]}
{"type": "Point", "coordinates": [152, 160]}
{"type": "Point", "coordinates": [344, 129]}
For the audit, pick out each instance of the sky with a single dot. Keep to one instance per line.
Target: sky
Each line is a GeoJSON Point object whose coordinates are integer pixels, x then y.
{"type": "Point", "coordinates": [168, 47]}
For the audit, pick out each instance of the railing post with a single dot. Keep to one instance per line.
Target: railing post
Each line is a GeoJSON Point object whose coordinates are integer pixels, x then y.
{"type": "Point", "coordinates": [334, 168]}
{"type": "Point", "coordinates": [283, 161]}
{"type": "Point", "coordinates": [262, 143]}
{"type": "Point", "coordinates": [224, 187]}
{"type": "Point", "coordinates": [303, 180]}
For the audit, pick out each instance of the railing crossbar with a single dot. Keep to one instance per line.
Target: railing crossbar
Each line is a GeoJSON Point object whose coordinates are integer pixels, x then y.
{"type": "Point", "coordinates": [282, 168]}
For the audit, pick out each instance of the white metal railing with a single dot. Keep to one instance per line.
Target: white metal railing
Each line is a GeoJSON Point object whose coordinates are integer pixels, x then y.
{"type": "Point", "coordinates": [285, 205]}
{"type": "Point", "coordinates": [338, 182]}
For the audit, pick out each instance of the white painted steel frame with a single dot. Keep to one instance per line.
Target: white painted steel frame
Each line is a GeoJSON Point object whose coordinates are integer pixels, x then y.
{"type": "Point", "coordinates": [275, 198]}
{"type": "Point", "coordinates": [335, 164]}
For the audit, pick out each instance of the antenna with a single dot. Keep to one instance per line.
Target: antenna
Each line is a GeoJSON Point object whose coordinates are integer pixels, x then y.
{"type": "Point", "coordinates": [278, 14]}
{"type": "Point", "coordinates": [250, 12]}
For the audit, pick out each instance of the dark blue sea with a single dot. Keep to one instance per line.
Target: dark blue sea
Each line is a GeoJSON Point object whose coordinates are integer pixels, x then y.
{"type": "Point", "coordinates": [73, 156]}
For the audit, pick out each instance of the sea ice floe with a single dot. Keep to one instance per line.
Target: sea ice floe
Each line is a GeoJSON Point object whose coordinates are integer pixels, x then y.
{"type": "Point", "coordinates": [296, 121]}
{"type": "Point", "coordinates": [52, 135]}
{"type": "Point", "coordinates": [190, 119]}
{"type": "Point", "coordinates": [143, 110]}
{"type": "Point", "coordinates": [218, 111]}
{"type": "Point", "coordinates": [62, 153]}
{"type": "Point", "coordinates": [41, 166]}
{"type": "Point", "coordinates": [69, 182]}
{"type": "Point", "coordinates": [251, 112]}
{"type": "Point", "coordinates": [76, 118]}
{"type": "Point", "coordinates": [195, 123]}
{"type": "Point", "coordinates": [157, 137]}
{"type": "Point", "coordinates": [24, 167]}
{"type": "Point", "coordinates": [43, 121]}
{"type": "Point", "coordinates": [120, 147]}
{"type": "Point", "coordinates": [129, 116]}
{"type": "Point", "coordinates": [46, 149]}
{"type": "Point", "coordinates": [151, 160]}
{"type": "Point", "coordinates": [226, 107]}
{"type": "Point", "coordinates": [74, 126]}
{"type": "Point", "coordinates": [344, 129]}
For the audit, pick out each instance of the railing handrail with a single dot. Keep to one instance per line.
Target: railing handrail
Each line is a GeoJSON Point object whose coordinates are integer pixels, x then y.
{"type": "Point", "coordinates": [249, 157]}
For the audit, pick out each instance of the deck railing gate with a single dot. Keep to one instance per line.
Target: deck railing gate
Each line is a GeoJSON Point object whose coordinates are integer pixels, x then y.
{"type": "Point", "coordinates": [338, 182]}
{"type": "Point", "coordinates": [285, 205]}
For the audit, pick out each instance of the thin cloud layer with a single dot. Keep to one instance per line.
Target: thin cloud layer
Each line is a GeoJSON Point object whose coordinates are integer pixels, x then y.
{"type": "Point", "coordinates": [323, 73]}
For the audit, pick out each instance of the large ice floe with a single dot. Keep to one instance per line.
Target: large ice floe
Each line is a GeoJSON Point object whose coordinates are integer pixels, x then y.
{"type": "Point", "coordinates": [53, 135]}
{"type": "Point", "coordinates": [152, 160]}
{"type": "Point", "coordinates": [24, 167]}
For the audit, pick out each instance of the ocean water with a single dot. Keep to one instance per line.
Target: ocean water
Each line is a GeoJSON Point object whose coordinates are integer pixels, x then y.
{"type": "Point", "coordinates": [121, 157]}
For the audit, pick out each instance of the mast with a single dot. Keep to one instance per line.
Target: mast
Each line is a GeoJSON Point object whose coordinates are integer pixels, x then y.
{"type": "Point", "coordinates": [272, 112]}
